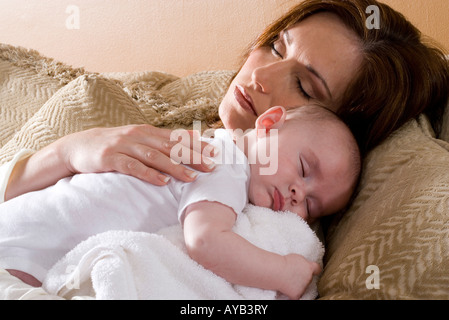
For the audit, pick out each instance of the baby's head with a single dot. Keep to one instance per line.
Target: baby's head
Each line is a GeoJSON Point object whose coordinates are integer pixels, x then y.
{"type": "Point", "coordinates": [318, 162]}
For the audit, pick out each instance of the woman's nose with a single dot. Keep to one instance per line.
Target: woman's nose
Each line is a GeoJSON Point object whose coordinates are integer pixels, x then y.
{"type": "Point", "coordinates": [266, 77]}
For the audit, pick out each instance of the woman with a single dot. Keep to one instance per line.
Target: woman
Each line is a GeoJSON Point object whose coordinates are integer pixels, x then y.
{"type": "Point", "coordinates": [321, 51]}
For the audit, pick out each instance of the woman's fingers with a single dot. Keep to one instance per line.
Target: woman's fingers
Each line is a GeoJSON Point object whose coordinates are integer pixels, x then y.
{"type": "Point", "coordinates": [130, 166]}
{"type": "Point", "coordinates": [197, 153]}
{"type": "Point", "coordinates": [151, 165]}
{"type": "Point", "coordinates": [181, 146]}
{"type": "Point", "coordinates": [143, 151]}
{"type": "Point", "coordinates": [154, 154]}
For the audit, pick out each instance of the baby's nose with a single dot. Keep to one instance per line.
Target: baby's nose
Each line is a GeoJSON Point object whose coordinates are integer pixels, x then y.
{"type": "Point", "coordinates": [297, 195]}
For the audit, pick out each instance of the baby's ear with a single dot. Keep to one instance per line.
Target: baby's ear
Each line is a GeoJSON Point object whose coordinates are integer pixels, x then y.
{"type": "Point", "coordinates": [273, 118]}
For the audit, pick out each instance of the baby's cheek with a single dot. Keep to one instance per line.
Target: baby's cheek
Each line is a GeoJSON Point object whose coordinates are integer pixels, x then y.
{"type": "Point", "coordinates": [258, 197]}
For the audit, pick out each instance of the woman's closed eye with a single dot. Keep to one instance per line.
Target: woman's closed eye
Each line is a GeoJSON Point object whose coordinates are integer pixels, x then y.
{"type": "Point", "coordinates": [276, 50]}
{"type": "Point", "coordinates": [301, 89]}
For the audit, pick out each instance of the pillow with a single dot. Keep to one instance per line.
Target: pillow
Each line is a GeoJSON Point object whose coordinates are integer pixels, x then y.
{"type": "Point", "coordinates": [393, 242]}
{"type": "Point", "coordinates": [87, 102]}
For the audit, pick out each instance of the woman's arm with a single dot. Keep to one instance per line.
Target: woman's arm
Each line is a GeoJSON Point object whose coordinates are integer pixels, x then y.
{"type": "Point", "coordinates": [34, 173]}
{"type": "Point", "coordinates": [142, 151]}
{"type": "Point", "coordinates": [212, 243]}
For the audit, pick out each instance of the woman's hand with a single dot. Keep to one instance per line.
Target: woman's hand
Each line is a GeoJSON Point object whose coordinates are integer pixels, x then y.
{"type": "Point", "coordinates": [142, 151]}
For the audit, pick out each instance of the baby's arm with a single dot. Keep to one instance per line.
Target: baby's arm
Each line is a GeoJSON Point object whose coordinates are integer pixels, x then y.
{"type": "Point", "coordinates": [212, 243]}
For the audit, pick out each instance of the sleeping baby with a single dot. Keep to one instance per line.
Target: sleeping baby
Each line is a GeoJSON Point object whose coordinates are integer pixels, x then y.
{"type": "Point", "coordinates": [317, 168]}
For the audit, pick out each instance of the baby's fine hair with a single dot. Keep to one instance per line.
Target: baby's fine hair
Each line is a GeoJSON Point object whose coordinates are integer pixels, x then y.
{"type": "Point", "coordinates": [314, 112]}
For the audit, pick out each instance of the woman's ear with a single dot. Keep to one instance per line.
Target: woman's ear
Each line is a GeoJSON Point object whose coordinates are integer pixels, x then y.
{"type": "Point", "coordinates": [273, 118]}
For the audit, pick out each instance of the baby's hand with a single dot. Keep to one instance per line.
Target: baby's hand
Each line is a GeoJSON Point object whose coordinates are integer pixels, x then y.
{"type": "Point", "coordinates": [298, 275]}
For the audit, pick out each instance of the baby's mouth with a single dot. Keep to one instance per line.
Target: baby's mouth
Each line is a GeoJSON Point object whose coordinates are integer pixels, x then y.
{"type": "Point", "coordinates": [278, 201]}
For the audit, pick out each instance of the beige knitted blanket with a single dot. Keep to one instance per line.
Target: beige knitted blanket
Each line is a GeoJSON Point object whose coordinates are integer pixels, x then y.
{"type": "Point", "coordinates": [42, 99]}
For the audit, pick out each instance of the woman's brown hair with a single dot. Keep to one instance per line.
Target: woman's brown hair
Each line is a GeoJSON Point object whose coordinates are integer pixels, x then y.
{"type": "Point", "coordinates": [401, 75]}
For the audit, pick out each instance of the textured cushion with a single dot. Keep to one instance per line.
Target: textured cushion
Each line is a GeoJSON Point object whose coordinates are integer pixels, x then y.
{"type": "Point", "coordinates": [393, 243]}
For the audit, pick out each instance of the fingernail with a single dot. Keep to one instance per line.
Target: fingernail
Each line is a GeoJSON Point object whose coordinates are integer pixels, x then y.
{"type": "Point", "coordinates": [163, 178]}
{"type": "Point", "coordinates": [215, 152]}
{"type": "Point", "coordinates": [209, 163]}
{"type": "Point", "coordinates": [170, 144]}
{"type": "Point", "coordinates": [191, 174]}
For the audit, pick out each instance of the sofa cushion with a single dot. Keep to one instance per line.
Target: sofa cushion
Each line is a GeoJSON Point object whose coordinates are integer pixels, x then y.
{"type": "Point", "coordinates": [393, 242]}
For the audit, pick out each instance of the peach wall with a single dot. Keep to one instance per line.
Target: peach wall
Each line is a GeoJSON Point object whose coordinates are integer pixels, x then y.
{"type": "Point", "coordinates": [176, 36]}
{"type": "Point", "coordinates": [430, 16]}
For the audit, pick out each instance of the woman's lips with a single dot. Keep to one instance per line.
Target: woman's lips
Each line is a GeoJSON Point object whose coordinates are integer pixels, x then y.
{"type": "Point", "coordinates": [278, 201]}
{"type": "Point", "coordinates": [244, 100]}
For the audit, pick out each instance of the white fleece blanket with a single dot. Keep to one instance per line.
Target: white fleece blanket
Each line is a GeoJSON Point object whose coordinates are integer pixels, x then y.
{"type": "Point", "coordinates": [137, 265]}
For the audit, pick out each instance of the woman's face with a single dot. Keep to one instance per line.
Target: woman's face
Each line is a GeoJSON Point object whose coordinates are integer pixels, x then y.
{"type": "Point", "coordinates": [312, 61]}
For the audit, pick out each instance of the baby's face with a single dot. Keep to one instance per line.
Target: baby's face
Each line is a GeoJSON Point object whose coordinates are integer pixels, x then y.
{"type": "Point", "coordinates": [314, 177]}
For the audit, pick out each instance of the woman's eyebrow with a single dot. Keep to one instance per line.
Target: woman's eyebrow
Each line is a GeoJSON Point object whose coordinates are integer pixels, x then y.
{"type": "Point", "coordinates": [316, 74]}
{"type": "Point", "coordinates": [288, 40]}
